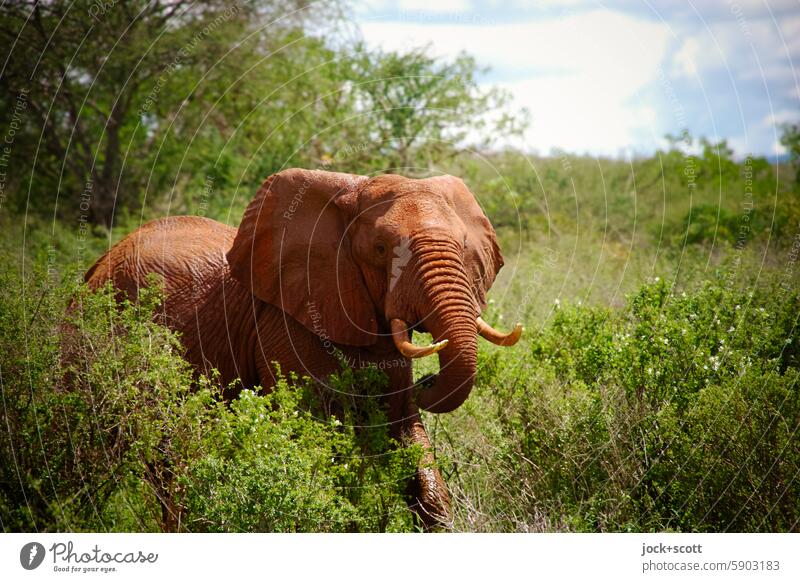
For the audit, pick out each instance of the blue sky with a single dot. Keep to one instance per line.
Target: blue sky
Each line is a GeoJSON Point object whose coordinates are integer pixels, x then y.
{"type": "Point", "coordinates": [612, 78]}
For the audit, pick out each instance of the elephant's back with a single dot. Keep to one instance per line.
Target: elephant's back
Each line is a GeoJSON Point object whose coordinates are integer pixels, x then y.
{"type": "Point", "coordinates": [187, 251]}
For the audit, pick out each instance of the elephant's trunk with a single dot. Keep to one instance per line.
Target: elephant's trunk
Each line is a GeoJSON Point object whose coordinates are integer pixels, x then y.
{"type": "Point", "coordinates": [449, 313]}
{"type": "Point", "coordinates": [457, 365]}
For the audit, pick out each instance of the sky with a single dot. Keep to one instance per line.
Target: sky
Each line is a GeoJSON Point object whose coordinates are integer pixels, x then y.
{"type": "Point", "coordinates": [613, 78]}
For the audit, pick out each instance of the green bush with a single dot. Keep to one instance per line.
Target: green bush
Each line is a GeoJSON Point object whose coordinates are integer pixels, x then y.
{"type": "Point", "coordinates": [679, 412]}
{"type": "Point", "coordinates": [664, 411]}
{"type": "Point", "coordinates": [82, 423]}
{"type": "Point", "coordinates": [104, 418]}
{"type": "Point", "coordinates": [270, 464]}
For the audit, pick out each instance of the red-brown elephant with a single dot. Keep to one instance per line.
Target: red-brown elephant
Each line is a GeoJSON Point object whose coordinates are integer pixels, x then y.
{"type": "Point", "coordinates": [325, 261]}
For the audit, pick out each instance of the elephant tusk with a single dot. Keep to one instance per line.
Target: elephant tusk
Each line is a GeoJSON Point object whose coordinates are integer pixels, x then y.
{"type": "Point", "coordinates": [409, 350]}
{"type": "Point", "coordinates": [497, 338]}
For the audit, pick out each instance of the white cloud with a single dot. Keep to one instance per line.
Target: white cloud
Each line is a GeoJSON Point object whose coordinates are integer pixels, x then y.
{"type": "Point", "coordinates": [579, 75]}
{"type": "Point", "coordinates": [576, 117]}
{"type": "Point", "coordinates": [746, 66]}
{"type": "Point", "coordinates": [433, 5]}
{"type": "Point", "coordinates": [781, 117]}
{"type": "Point", "coordinates": [739, 144]}
{"type": "Point", "coordinates": [589, 73]}
{"type": "Point", "coordinates": [419, 7]}
{"type": "Point", "coordinates": [749, 49]}
{"type": "Point", "coordinates": [686, 58]}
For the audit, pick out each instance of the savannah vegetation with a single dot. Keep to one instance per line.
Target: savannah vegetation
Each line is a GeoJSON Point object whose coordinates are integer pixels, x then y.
{"type": "Point", "coordinates": [655, 388]}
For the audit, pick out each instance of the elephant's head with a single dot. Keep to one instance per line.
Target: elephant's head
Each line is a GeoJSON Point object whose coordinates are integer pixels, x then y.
{"type": "Point", "coordinates": [352, 258]}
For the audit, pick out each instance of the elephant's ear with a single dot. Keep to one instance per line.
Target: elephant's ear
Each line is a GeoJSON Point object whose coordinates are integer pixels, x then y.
{"type": "Point", "coordinates": [292, 251]}
{"type": "Point", "coordinates": [482, 256]}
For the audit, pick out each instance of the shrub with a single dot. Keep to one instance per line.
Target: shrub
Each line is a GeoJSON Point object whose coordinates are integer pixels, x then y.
{"type": "Point", "coordinates": [270, 464]}
{"type": "Point", "coordinates": [679, 412]}
{"type": "Point", "coordinates": [98, 433]}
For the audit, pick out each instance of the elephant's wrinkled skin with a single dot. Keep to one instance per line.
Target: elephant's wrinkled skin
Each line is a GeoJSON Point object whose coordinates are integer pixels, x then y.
{"type": "Point", "coordinates": [324, 260]}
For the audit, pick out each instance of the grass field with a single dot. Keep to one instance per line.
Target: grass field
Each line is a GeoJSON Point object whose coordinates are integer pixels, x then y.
{"type": "Point", "coordinates": [655, 388]}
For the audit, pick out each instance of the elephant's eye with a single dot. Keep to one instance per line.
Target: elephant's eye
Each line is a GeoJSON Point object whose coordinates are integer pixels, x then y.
{"type": "Point", "coordinates": [380, 249]}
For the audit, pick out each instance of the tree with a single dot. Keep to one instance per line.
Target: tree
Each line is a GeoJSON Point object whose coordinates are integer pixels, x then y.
{"type": "Point", "coordinates": [421, 111]}
{"type": "Point", "coordinates": [100, 79]}
{"type": "Point", "coordinates": [136, 102]}
{"type": "Point", "coordinates": [790, 139]}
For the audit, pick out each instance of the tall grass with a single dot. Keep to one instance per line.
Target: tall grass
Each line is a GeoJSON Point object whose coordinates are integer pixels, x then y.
{"type": "Point", "coordinates": [655, 387]}
{"type": "Point", "coordinates": [106, 428]}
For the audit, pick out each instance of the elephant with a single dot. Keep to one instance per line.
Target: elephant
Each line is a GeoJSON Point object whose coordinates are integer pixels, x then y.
{"type": "Point", "coordinates": [328, 267]}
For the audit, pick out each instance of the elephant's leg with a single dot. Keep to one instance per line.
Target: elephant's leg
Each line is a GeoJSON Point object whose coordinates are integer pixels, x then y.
{"type": "Point", "coordinates": [430, 499]}
{"type": "Point", "coordinates": [428, 495]}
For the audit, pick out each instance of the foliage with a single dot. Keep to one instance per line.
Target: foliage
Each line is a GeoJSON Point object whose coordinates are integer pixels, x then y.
{"type": "Point", "coordinates": [98, 433]}
{"type": "Point", "coordinates": [669, 200]}
{"type": "Point", "coordinates": [660, 411]}
{"type": "Point", "coordinates": [632, 404]}
{"type": "Point", "coordinates": [679, 412]}
{"type": "Point", "coordinates": [148, 107]}
{"type": "Point", "coordinates": [271, 464]}
{"type": "Point", "coordinates": [417, 105]}
{"type": "Point", "coordinates": [790, 139]}
{"type": "Point", "coordinates": [107, 72]}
